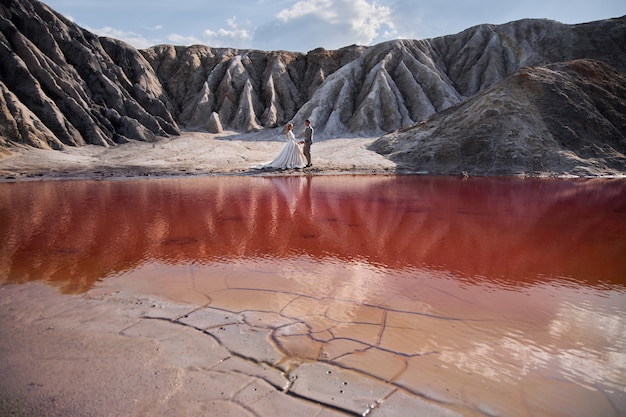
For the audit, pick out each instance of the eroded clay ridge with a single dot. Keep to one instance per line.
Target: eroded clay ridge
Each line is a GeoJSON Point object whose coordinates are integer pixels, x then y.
{"type": "Point", "coordinates": [62, 85]}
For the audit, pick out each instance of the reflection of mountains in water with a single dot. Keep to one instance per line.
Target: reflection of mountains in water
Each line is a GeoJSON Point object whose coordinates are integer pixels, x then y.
{"type": "Point", "coordinates": [77, 232]}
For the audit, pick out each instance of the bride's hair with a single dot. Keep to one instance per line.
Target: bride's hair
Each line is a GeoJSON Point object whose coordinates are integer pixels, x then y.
{"type": "Point", "coordinates": [289, 126]}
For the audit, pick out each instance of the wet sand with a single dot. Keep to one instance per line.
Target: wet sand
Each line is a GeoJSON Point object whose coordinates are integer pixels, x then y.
{"type": "Point", "coordinates": [116, 353]}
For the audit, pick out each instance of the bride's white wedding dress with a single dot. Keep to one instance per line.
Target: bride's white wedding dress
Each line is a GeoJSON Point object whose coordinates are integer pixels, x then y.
{"type": "Point", "coordinates": [290, 157]}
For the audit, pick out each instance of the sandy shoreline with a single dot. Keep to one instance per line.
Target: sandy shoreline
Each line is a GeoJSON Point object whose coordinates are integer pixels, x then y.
{"type": "Point", "coordinates": [205, 154]}
{"type": "Point", "coordinates": [192, 153]}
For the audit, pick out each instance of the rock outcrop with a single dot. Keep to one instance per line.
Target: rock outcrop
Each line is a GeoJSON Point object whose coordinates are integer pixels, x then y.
{"type": "Point", "coordinates": [369, 91]}
{"type": "Point", "coordinates": [62, 85]}
{"type": "Point", "coordinates": [562, 118]}
{"type": "Point", "coordinates": [247, 89]}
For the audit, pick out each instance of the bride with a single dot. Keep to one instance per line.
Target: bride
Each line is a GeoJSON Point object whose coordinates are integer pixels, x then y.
{"type": "Point", "coordinates": [290, 157]}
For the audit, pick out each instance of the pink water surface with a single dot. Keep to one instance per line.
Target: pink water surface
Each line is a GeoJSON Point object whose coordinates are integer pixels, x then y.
{"type": "Point", "coordinates": [504, 231]}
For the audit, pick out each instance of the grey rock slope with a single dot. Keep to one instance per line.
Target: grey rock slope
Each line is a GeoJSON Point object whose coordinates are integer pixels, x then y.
{"type": "Point", "coordinates": [62, 85]}
{"type": "Point", "coordinates": [368, 91]}
{"type": "Point", "coordinates": [243, 90]}
{"type": "Point", "coordinates": [562, 118]}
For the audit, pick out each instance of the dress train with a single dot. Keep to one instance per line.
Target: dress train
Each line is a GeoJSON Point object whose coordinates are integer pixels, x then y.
{"type": "Point", "coordinates": [290, 157]}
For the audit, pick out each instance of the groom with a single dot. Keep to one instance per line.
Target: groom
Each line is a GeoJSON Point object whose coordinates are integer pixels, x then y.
{"type": "Point", "coordinates": [308, 140]}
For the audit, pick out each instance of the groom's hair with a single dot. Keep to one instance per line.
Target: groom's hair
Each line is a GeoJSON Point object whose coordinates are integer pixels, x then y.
{"type": "Point", "coordinates": [307, 121]}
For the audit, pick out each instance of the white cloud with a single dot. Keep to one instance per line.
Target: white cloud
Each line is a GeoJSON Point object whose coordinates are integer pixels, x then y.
{"type": "Point", "coordinates": [232, 36]}
{"type": "Point", "coordinates": [176, 39]}
{"type": "Point", "coordinates": [327, 23]}
{"type": "Point", "coordinates": [131, 38]}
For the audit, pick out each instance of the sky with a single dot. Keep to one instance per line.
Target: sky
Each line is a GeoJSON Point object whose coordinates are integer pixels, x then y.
{"type": "Point", "coordinates": [303, 25]}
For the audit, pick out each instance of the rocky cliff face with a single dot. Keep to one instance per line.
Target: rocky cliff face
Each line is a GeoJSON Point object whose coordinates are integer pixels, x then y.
{"type": "Point", "coordinates": [369, 91]}
{"type": "Point", "coordinates": [562, 118]}
{"type": "Point", "coordinates": [243, 90]}
{"type": "Point", "coordinates": [62, 85]}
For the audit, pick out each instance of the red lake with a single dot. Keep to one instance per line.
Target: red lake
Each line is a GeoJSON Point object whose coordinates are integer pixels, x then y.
{"type": "Point", "coordinates": [500, 296]}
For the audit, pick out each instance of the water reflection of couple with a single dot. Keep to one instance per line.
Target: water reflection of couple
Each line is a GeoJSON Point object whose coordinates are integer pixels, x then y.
{"type": "Point", "coordinates": [292, 156]}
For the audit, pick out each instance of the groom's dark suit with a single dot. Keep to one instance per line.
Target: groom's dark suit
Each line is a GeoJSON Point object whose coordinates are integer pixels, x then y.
{"type": "Point", "coordinates": [308, 140]}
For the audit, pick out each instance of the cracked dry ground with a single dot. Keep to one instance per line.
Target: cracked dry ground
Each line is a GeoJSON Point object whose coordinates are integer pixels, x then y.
{"type": "Point", "coordinates": [178, 359]}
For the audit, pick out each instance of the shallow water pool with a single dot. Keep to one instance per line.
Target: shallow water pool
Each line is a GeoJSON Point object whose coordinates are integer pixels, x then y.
{"type": "Point", "coordinates": [497, 296]}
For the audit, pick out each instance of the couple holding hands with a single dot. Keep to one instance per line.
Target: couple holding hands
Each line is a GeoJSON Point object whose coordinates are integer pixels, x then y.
{"type": "Point", "coordinates": [292, 156]}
